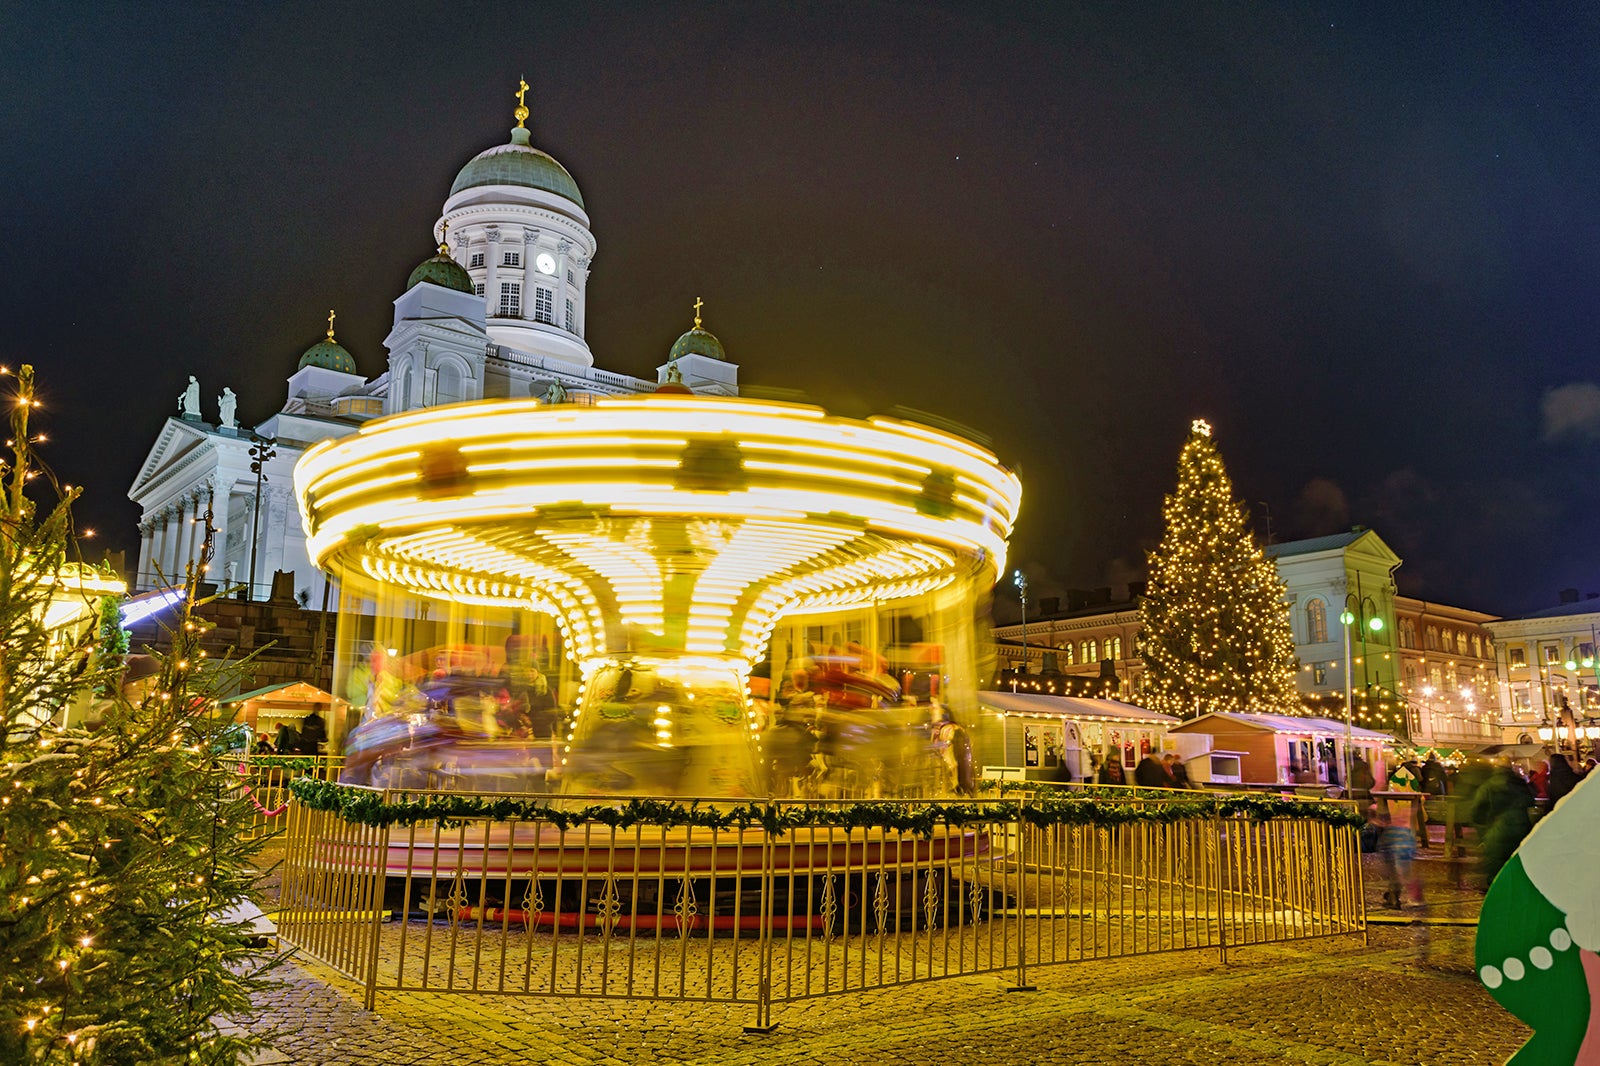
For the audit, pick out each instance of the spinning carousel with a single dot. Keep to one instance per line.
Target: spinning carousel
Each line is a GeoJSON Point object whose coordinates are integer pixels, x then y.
{"type": "Point", "coordinates": [666, 595]}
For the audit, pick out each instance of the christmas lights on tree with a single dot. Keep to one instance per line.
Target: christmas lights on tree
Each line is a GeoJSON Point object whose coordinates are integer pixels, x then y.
{"type": "Point", "coordinates": [1215, 624]}
{"type": "Point", "coordinates": [120, 846]}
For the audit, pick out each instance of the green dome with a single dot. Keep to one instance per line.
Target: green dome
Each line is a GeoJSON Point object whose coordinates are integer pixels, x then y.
{"type": "Point", "coordinates": [517, 163]}
{"type": "Point", "coordinates": [330, 355]}
{"type": "Point", "coordinates": [697, 342]}
{"type": "Point", "coordinates": [442, 271]}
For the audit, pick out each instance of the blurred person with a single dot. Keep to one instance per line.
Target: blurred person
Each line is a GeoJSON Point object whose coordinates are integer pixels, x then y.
{"type": "Point", "coordinates": [1152, 772]}
{"type": "Point", "coordinates": [1502, 813]}
{"type": "Point", "coordinates": [264, 745]}
{"type": "Point", "coordinates": [1362, 780]}
{"type": "Point", "coordinates": [313, 732]}
{"type": "Point", "coordinates": [1397, 848]}
{"type": "Point", "coordinates": [1407, 777]}
{"type": "Point", "coordinates": [1560, 778]}
{"type": "Point", "coordinates": [1433, 776]}
{"type": "Point", "coordinates": [1111, 772]}
{"type": "Point", "coordinates": [1538, 779]}
{"type": "Point", "coordinates": [1178, 770]}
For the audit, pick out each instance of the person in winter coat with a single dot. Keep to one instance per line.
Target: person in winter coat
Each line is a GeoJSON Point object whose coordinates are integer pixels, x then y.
{"type": "Point", "coordinates": [1560, 778]}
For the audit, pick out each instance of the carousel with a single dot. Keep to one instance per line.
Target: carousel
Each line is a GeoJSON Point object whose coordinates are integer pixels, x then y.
{"type": "Point", "coordinates": [667, 595]}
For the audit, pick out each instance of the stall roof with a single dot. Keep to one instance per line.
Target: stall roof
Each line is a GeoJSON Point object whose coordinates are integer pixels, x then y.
{"type": "Point", "coordinates": [1275, 723]}
{"type": "Point", "coordinates": [1070, 707]}
{"type": "Point", "coordinates": [285, 692]}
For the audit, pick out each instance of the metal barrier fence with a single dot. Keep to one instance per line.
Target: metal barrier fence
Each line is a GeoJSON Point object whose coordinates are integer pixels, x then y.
{"type": "Point", "coordinates": [265, 780]}
{"type": "Point", "coordinates": [741, 916]}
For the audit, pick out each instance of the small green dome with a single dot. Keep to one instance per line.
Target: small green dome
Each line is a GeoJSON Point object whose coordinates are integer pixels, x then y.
{"type": "Point", "coordinates": [697, 342]}
{"type": "Point", "coordinates": [330, 355]}
{"type": "Point", "coordinates": [517, 163]}
{"type": "Point", "coordinates": [442, 271]}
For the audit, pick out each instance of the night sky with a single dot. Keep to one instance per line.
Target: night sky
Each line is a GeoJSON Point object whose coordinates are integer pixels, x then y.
{"type": "Point", "coordinates": [1366, 249]}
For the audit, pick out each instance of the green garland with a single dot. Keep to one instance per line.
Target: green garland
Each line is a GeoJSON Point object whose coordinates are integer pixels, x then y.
{"type": "Point", "coordinates": [303, 764]}
{"type": "Point", "coordinates": [368, 807]}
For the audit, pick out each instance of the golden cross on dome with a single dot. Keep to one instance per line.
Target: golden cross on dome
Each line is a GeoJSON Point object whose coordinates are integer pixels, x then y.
{"type": "Point", "coordinates": [444, 237]}
{"type": "Point", "coordinates": [330, 324]}
{"type": "Point", "coordinates": [522, 105]}
{"type": "Point", "coordinates": [1200, 426]}
{"type": "Point", "coordinates": [698, 304]}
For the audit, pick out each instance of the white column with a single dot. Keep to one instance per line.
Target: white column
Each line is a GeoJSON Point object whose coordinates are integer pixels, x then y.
{"type": "Point", "coordinates": [491, 279]}
{"type": "Point", "coordinates": [530, 273]}
{"type": "Point", "coordinates": [141, 578]}
{"type": "Point", "coordinates": [172, 547]}
{"type": "Point", "coordinates": [559, 311]}
{"type": "Point", "coordinates": [219, 560]}
{"type": "Point", "coordinates": [158, 543]}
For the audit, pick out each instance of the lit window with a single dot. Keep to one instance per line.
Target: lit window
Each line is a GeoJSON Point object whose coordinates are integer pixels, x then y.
{"type": "Point", "coordinates": [477, 260]}
{"type": "Point", "coordinates": [1461, 642]}
{"type": "Point", "coordinates": [512, 259]}
{"type": "Point", "coordinates": [1068, 650]}
{"type": "Point", "coordinates": [1316, 622]}
{"type": "Point", "coordinates": [1114, 648]}
{"type": "Point", "coordinates": [1091, 652]}
{"type": "Point", "coordinates": [1433, 638]}
{"type": "Point", "coordinates": [1517, 656]}
{"type": "Point", "coordinates": [1552, 654]}
{"type": "Point", "coordinates": [1477, 646]}
{"type": "Point", "coordinates": [510, 299]}
{"type": "Point", "coordinates": [543, 306]}
{"type": "Point", "coordinates": [1319, 673]}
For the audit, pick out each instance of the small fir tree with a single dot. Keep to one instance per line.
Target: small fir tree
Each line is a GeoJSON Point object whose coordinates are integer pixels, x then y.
{"type": "Point", "coordinates": [1215, 625]}
{"type": "Point", "coordinates": [120, 849]}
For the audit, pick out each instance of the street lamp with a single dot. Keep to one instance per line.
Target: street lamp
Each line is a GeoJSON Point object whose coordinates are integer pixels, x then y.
{"type": "Point", "coordinates": [261, 452]}
{"type": "Point", "coordinates": [1021, 581]}
{"type": "Point", "coordinates": [1582, 654]}
{"type": "Point", "coordinates": [1346, 619]}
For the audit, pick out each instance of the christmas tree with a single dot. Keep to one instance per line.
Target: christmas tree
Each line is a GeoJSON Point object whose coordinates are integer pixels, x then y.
{"type": "Point", "coordinates": [1215, 633]}
{"type": "Point", "coordinates": [120, 850]}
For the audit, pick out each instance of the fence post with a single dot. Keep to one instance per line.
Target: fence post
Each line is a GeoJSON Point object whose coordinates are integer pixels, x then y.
{"type": "Point", "coordinates": [1021, 984]}
{"type": "Point", "coordinates": [763, 1023]}
{"type": "Point", "coordinates": [1222, 896]}
{"type": "Point", "coordinates": [376, 886]}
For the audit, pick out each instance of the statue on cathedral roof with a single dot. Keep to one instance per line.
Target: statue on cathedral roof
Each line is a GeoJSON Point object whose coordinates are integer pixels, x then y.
{"type": "Point", "coordinates": [189, 400]}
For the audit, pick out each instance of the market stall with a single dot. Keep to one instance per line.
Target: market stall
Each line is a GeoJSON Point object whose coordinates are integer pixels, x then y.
{"type": "Point", "coordinates": [1282, 749]}
{"type": "Point", "coordinates": [1034, 735]}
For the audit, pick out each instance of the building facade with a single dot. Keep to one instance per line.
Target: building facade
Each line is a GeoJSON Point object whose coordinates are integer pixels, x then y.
{"type": "Point", "coordinates": [1549, 674]}
{"type": "Point", "coordinates": [499, 311]}
{"type": "Point", "coordinates": [1425, 670]}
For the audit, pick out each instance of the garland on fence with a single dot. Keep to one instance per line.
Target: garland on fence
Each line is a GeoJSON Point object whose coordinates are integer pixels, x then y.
{"type": "Point", "coordinates": [368, 807]}
{"type": "Point", "coordinates": [303, 764]}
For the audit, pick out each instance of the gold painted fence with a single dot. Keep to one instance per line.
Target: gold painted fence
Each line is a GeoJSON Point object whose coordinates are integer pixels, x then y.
{"type": "Point", "coordinates": [520, 906]}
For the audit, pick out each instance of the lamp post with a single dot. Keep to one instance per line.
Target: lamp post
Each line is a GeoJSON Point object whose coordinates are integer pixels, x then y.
{"type": "Point", "coordinates": [1021, 581]}
{"type": "Point", "coordinates": [1347, 618]}
{"type": "Point", "coordinates": [261, 451]}
{"type": "Point", "coordinates": [1583, 655]}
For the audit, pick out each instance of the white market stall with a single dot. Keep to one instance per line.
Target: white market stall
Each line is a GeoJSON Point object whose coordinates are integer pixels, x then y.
{"type": "Point", "coordinates": [1283, 749]}
{"type": "Point", "coordinates": [1027, 735]}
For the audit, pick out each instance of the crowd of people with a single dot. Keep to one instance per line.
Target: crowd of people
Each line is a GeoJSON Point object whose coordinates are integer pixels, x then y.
{"type": "Point", "coordinates": [1500, 801]}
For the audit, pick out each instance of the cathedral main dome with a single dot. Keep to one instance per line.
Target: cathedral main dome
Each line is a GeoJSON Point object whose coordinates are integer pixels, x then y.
{"type": "Point", "coordinates": [518, 163]}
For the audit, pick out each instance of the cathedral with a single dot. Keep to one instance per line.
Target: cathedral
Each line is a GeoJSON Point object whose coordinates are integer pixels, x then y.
{"type": "Point", "coordinates": [499, 311]}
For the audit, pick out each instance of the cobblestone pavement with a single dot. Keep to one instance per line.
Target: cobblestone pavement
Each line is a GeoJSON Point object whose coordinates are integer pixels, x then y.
{"type": "Point", "coordinates": [1408, 997]}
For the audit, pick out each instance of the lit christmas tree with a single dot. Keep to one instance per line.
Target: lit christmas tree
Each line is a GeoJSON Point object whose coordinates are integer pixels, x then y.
{"type": "Point", "coordinates": [1215, 633]}
{"type": "Point", "coordinates": [120, 850]}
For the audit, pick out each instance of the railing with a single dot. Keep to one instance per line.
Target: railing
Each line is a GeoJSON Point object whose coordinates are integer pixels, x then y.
{"type": "Point", "coordinates": [518, 904]}
{"type": "Point", "coordinates": [265, 779]}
